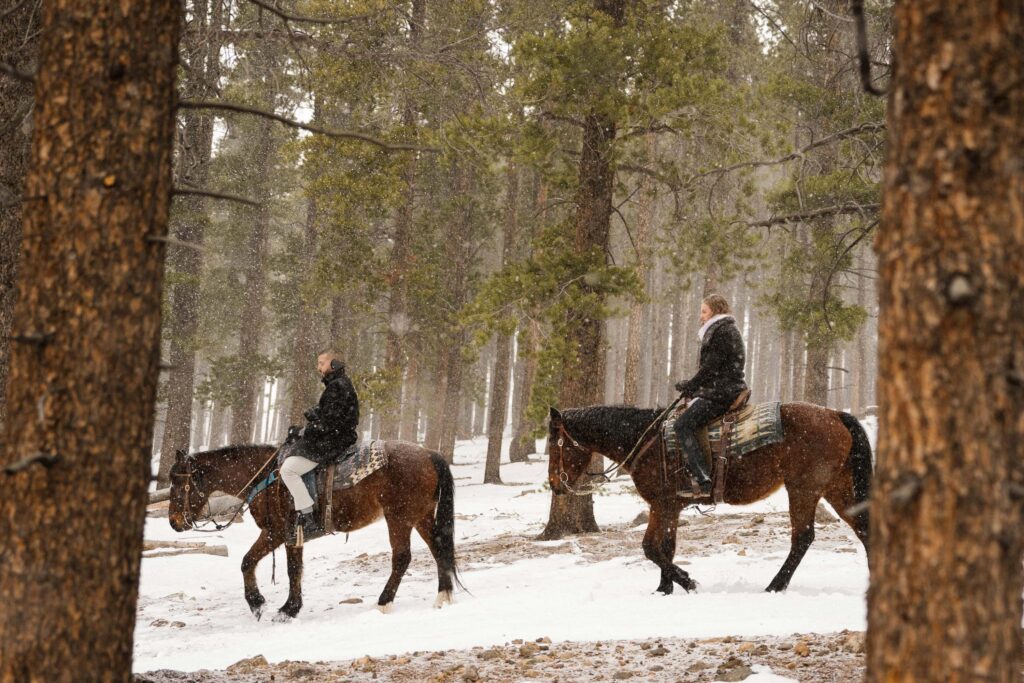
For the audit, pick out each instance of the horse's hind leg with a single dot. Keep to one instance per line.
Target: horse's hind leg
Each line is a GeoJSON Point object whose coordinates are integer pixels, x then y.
{"type": "Point", "coordinates": [801, 520]}
{"type": "Point", "coordinates": [293, 604]}
{"type": "Point", "coordinates": [425, 528]}
{"type": "Point", "coordinates": [840, 496]}
{"type": "Point", "coordinates": [398, 534]}
{"type": "Point", "coordinates": [263, 546]}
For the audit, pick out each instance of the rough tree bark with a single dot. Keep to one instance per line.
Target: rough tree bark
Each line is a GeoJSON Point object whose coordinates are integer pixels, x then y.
{"type": "Point", "coordinates": [945, 597]}
{"type": "Point", "coordinates": [583, 371]}
{"type": "Point", "coordinates": [19, 44]}
{"type": "Point", "coordinates": [202, 48]}
{"type": "Point", "coordinates": [84, 365]}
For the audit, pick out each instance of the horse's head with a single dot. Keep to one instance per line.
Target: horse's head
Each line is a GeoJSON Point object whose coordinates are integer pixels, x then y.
{"type": "Point", "coordinates": [188, 492]}
{"type": "Point", "coordinates": [567, 458]}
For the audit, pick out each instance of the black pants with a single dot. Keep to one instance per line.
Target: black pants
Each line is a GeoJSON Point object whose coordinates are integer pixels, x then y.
{"type": "Point", "coordinates": [697, 415]}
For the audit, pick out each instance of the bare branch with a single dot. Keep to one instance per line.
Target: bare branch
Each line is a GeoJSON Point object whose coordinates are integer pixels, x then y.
{"type": "Point", "coordinates": [838, 210]}
{"type": "Point", "coordinates": [179, 191]}
{"type": "Point", "coordinates": [16, 73]}
{"type": "Point", "coordinates": [329, 132]}
{"type": "Point", "coordinates": [309, 20]}
{"type": "Point", "coordinates": [872, 127]}
{"type": "Point", "coordinates": [857, 8]}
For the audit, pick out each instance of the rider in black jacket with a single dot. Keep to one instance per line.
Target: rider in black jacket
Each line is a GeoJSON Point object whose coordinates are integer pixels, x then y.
{"type": "Point", "coordinates": [330, 430]}
{"type": "Point", "coordinates": [719, 380]}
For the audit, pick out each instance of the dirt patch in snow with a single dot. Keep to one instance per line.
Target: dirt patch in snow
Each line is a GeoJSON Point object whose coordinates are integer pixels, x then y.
{"type": "Point", "coordinates": [810, 657]}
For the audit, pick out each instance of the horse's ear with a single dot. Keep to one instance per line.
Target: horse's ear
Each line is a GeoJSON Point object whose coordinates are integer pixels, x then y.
{"type": "Point", "coordinates": [554, 415]}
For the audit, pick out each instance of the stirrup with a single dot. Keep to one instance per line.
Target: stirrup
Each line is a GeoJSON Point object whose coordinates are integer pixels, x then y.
{"type": "Point", "coordinates": [696, 490]}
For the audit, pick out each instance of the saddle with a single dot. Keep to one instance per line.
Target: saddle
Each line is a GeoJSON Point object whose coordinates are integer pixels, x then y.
{"type": "Point", "coordinates": [344, 471]}
{"type": "Point", "coordinates": [742, 429]}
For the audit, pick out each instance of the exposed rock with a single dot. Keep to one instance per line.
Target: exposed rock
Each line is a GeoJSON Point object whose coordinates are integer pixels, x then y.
{"type": "Point", "coordinates": [248, 665]}
{"type": "Point", "coordinates": [802, 648]}
{"type": "Point", "coordinates": [471, 674]}
{"type": "Point", "coordinates": [351, 601]}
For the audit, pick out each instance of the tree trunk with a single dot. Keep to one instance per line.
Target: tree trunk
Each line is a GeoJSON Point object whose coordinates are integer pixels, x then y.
{"type": "Point", "coordinates": [583, 370]}
{"type": "Point", "coordinates": [945, 597]}
{"type": "Point", "coordinates": [189, 224]}
{"type": "Point", "coordinates": [84, 363]}
{"type": "Point", "coordinates": [302, 385]}
{"type": "Point", "coordinates": [409, 420]}
{"type": "Point", "coordinates": [398, 269]}
{"type": "Point", "coordinates": [19, 44]}
{"type": "Point", "coordinates": [523, 443]}
{"type": "Point", "coordinates": [498, 411]}
{"type": "Point", "coordinates": [250, 335]}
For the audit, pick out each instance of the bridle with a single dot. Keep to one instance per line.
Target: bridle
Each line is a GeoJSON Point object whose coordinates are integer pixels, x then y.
{"type": "Point", "coordinates": [563, 476]}
{"type": "Point", "coordinates": [186, 512]}
{"type": "Point", "coordinates": [639, 448]}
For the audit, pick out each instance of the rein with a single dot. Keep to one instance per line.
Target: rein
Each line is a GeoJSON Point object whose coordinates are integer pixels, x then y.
{"type": "Point", "coordinates": [639, 448]}
{"type": "Point", "coordinates": [187, 508]}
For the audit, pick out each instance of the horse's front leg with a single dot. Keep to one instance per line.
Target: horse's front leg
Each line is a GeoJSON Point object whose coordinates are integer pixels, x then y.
{"type": "Point", "coordinates": [263, 546]}
{"type": "Point", "coordinates": [660, 548]}
{"type": "Point", "coordinates": [293, 604]}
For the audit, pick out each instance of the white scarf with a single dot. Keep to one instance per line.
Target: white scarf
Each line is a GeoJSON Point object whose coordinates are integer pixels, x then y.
{"type": "Point", "coordinates": [711, 321]}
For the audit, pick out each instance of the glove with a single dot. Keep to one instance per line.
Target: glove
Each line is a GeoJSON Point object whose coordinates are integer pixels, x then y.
{"type": "Point", "coordinates": [683, 387]}
{"type": "Point", "coordinates": [312, 413]}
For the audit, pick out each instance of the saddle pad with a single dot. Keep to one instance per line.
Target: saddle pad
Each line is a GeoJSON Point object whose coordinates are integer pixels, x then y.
{"type": "Point", "coordinates": [359, 462]}
{"type": "Point", "coordinates": [753, 427]}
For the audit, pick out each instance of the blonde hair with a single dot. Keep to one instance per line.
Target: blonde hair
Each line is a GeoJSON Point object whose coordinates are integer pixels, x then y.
{"type": "Point", "coordinates": [717, 304]}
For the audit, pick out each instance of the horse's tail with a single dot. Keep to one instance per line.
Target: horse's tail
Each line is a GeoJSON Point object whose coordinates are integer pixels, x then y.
{"type": "Point", "coordinates": [444, 518]}
{"type": "Point", "coordinates": [860, 461]}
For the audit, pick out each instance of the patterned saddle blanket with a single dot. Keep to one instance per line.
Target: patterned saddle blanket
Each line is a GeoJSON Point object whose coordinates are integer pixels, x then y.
{"type": "Point", "coordinates": [753, 426]}
{"type": "Point", "coordinates": [348, 469]}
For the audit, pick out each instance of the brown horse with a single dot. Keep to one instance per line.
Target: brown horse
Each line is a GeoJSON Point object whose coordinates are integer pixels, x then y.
{"type": "Point", "coordinates": [414, 489]}
{"type": "Point", "coordinates": [825, 454]}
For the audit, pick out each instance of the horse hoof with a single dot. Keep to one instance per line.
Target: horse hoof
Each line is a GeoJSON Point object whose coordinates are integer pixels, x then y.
{"type": "Point", "coordinates": [282, 618]}
{"type": "Point", "coordinates": [257, 612]}
{"type": "Point", "coordinates": [443, 598]}
{"type": "Point", "coordinates": [385, 609]}
{"type": "Point", "coordinates": [664, 590]}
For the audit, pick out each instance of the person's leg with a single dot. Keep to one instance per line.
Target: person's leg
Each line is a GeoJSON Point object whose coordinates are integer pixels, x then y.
{"type": "Point", "coordinates": [292, 469]}
{"type": "Point", "coordinates": [698, 414]}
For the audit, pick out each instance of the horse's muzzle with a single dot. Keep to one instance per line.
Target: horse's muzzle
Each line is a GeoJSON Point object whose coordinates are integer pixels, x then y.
{"type": "Point", "coordinates": [178, 522]}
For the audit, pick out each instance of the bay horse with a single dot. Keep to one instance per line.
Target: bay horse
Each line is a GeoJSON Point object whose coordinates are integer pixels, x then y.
{"type": "Point", "coordinates": [415, 489]}
{"type": "Point", "coordinates": [824, 454]}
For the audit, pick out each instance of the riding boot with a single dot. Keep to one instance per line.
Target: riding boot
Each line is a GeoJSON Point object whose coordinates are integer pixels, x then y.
{"type": "Point", "coordinates": [308, 526]}
{"type": "Point", "coordinates": [695, 464]}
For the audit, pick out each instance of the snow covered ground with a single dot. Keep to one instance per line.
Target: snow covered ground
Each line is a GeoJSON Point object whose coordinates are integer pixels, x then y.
{"type": "Point", "coordinates": [192, 615]}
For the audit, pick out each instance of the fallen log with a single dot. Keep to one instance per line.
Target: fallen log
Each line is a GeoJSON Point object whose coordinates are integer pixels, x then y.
{"type": "Point", "coordinates": [218, 550]}
{"type": "Point", "coordinates": [159, 496]}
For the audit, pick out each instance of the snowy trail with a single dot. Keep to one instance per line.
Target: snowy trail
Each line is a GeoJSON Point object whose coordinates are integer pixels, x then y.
{"type": "Point", "coordinates": [192, 615]}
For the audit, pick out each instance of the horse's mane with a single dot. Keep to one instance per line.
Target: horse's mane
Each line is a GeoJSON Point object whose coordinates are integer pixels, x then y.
{"type": "Point", "coordinates": [609, 425]}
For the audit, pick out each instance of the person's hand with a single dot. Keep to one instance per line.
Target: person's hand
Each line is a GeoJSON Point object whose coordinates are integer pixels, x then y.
{"type": "Point", "coordinates": [683, 387]}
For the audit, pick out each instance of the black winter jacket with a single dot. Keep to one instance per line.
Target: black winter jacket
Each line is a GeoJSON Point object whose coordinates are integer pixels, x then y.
{"type": "Point", "coordinates": [720, 376]}
{"type": "Point", "coordinates": [333, 422]}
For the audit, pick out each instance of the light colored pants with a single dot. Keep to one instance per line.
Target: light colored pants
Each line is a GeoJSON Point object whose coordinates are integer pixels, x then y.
{"type": "Point", "coordinates": [292, 469]}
